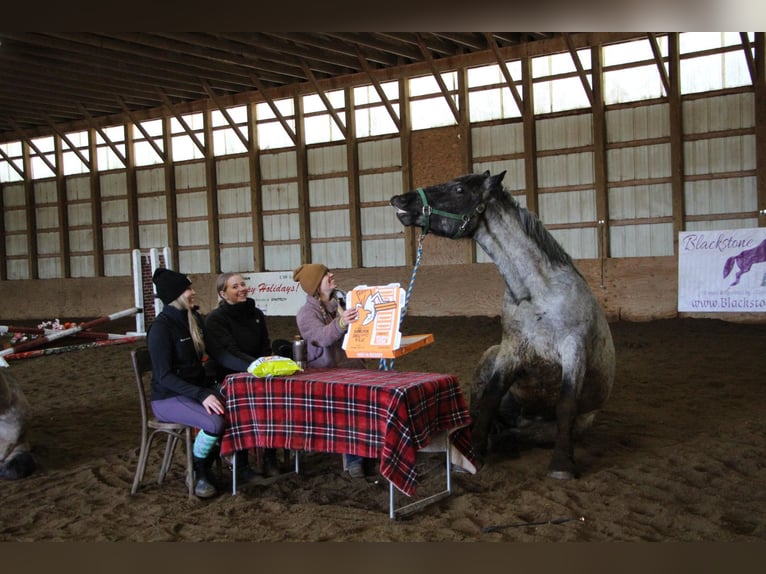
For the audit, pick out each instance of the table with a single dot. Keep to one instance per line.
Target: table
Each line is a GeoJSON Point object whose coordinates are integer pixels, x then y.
{"type": "Point", "coordinates": [388, 415]}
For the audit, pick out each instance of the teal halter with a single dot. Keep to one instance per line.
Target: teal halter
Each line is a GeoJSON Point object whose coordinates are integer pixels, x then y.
{"type": "Point", "coordinates": [465, 218]}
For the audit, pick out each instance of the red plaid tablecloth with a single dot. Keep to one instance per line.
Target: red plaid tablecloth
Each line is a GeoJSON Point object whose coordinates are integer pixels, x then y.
{"type": "Point", "coordinates": [379, 414]}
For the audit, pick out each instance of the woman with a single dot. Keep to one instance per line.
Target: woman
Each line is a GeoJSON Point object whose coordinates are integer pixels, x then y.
{"type": "Point", "coordinates": [236, 335]}
{"type": "Point", "coordinates": [181, 391]}
{"type": "Point", "coordinates": [322, 322]}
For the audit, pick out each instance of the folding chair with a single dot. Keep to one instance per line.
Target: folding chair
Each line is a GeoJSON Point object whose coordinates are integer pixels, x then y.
{"type": "Point", "coordinates": [151, 427]}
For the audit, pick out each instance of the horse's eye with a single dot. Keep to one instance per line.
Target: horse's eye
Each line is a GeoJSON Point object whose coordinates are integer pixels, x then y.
{"type": "Point", "coordinates": [459, 189]}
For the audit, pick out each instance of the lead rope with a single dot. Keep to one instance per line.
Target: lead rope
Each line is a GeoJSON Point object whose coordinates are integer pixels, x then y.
{"type": "Point", "coordinates": [388, 364]}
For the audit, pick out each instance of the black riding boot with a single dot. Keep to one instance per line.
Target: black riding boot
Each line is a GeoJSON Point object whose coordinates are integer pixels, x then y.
{"type": "Point", "coordinates": [245, 472]}
{"type": "Point", "coordinates": [203, 484]}
{"type": "Point", "coordinates": [270, 463]}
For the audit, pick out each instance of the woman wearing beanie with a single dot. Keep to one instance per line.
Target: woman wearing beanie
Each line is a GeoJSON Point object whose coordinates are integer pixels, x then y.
{"type": "Point", "coordinates": [236, 335]}
{"type": "Point", "coordinates": [181, 392]}
{"type": "Point", "coordinates": [322, 322]}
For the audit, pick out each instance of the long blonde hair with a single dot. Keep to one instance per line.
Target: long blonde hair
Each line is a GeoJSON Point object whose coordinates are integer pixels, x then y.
{"type": "Point", "coordinates": [182, 303]}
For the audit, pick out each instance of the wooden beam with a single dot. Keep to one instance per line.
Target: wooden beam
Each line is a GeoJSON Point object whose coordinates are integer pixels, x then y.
{"type": "Point", "coordinates": [379, 89]}
{"type": "Point", "coordinates": [437, 76]}
{"type": "Point", "coordinates": [325, 100]}
{"type": "Point", "coordinates": [106, 138]}
{"type": "Point", "coordinates": [225, 114]}
{"type": "Point", "coordinates": [285, 126]}
{"type": "Point", "coordinates": [759, 65]}
{"type": "Point", "coordinates": [160, 153]}
{"type": "Point", "coordinates": [12, 164]}
{"type": "Point", "coordinates": [169, 105]}
{"type": "Point", "coordinates": [86, 162]}
{"type": "Point", "coordinates": [676, 138]}
{"type": "Point", "coordinates": [37, 151]}
{"type": "Point", "coordinates": [506, 73]}
{"type": "Point", "coordinates": [579, 67]}
{"type": "Point", "coordinates": [659, 61]}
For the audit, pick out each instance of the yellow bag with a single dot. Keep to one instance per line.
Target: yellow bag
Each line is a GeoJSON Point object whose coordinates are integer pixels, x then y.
{"type": "Point", "coordinates": [273, 365]}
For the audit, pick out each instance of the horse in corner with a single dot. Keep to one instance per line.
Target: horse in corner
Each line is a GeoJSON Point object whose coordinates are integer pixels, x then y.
{"type": "Point", "coordinates": [16, 460]}
{"type": "Point", "coordinates": [553, 370]}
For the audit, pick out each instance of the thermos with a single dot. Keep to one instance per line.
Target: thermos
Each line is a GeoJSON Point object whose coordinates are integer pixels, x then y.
{"type": "Point", "coordinates": [299, 351]}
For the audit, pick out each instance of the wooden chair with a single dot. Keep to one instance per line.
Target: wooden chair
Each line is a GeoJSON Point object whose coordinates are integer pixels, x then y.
{"type": "Point", "coordinates": [151, 427]}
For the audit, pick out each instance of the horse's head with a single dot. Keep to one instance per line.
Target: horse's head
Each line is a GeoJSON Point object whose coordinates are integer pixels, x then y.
{"type": "Point", "coordinates": [451, 209]}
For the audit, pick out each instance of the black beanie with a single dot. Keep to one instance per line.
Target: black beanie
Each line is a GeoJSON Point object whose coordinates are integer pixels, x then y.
{"type": "Point", "coordinates": [170, 284]}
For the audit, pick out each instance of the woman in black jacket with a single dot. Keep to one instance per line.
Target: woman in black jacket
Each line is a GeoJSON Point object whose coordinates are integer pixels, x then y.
{"type": "Point", "coordinates": [236, 335]}
{"type": "Point", "coordinates": [181, 392]}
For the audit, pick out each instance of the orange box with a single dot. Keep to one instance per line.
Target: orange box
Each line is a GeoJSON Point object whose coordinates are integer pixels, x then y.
{"type": "Point", "coordinates": [375, 334]}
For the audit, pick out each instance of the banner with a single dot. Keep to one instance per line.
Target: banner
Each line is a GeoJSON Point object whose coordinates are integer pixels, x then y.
{"type": "Point", "coordinates": [275, 293]}
{"type": "Point", "coordinates": [722, 271]}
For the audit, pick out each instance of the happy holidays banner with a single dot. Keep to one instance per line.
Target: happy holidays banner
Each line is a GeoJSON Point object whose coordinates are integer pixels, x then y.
{"type": "Point", "coordinates": [722, 271]}
{"type": "Point", "coordinates": [275, 293]}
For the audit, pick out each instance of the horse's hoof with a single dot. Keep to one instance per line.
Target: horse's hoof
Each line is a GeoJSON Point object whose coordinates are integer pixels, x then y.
{"type": "Point", "coordinates": [561, 474]}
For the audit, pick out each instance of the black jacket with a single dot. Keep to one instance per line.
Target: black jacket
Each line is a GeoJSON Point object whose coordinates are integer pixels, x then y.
{"type": "Point", "coordinates": [236, 335]}
{"type": "Point", "coordinates": [177, 369]}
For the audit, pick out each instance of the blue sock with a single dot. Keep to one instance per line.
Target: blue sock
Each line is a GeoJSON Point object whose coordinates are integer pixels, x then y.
{"type": "Point", "coordinates": [203, 444]}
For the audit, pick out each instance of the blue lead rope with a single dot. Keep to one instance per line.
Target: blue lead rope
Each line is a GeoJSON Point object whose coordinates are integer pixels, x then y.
{"type": "Point", "coordinates": [388, 364]}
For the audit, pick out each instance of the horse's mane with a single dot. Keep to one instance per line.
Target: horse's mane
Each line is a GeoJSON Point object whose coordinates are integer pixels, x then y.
{"type": "Point", "coordinates": [534, 228]}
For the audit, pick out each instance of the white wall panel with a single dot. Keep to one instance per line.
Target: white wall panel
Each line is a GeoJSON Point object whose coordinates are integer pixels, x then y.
{"type": "Point", "coordinates": [18, 269]}
{"type": "Point", "coordinates": [16, 245]}
{"type": "Point", "coordinates": [579, 243]}
{"type": "Point", "coordinates": [13, 195]}
{"type": "Point", "coordinates": [81, 240]}
{"type": "Point", "coordinates": [192, 233]}
{"type": "Point", "coordinates": [233, 170]}
{"type": "Point", "coordinates": [234, 200]}
{"type": "Point", "coordinates": [79, 214]}
{"type": "Point", "coordinates": [335, 255]}
{"type": "Point", "coordinates": [721, 196]}
{"type": "Point", "coordinates": [152, 208]}
{"type": "Point", "coordinates": [81, 266]}
{"type": "Point", "coordinates": [235, 230]}
{"type": "Point", "coordinates": [383, 253]}
{"type": "Point", "coordinates": [728, 112]}
{"type": "Point", "coordinates": [641, 201]}
{"type": "Point", "coordinates": [192, 204]}
{"type": "Point", "coordinates": [190, 175]}
{"type": "Point", "coordinates": [379, 186]}
{"type": "Point", "coordinates": [324, 192]}
{"type": "Point", "coordinates": [650, 240]}
{"type": "Point", "coordinates": [45, 192]}
{"type": "Point", "coordinates": [116, 238]}
{"type": "Point", "coordinates": [114, 211]}
{"type": "Point", "coordinates": [717, 155]}
{"type": "Point", "coordinates": [744, 223]}
{"type": "Point", "coordinates": [497, 140]}
{"type": "Point", "coordinates": [379, 221]}
{"type": "Point", "coordinates": [15, 221]}
{"type": "Point", "coordinates": [153, 235]}
{"type": "Point", "coordinates": [237, 259]}
{"type": "Point", "coordinates": [279, 165]}
{"type": "Point", "coordinates": [194, 261]}
{"type": "Point", "coordinates": [330, 224]}
{"type": "Point", "coordinates": [281, 227]}
{"type": "Point", "coordinates": [567, 206]}
{"type": "Point", "coordinates": [565, 169]}
{"type": "Point", "coordinates": [327, 159]}
{"type": "Point", "coordinates": [114, 184]}
{"type": "Point", "coordinates": [150, 180]}
{"type": "Point", "coordinates": [564, 132]}
{"type": "Point", "coordinates": [380, 153]}
{"type": "Point", "coordinates": [49, 267]}
{"type": "Point", "coordinates": [642, 162]}
{"type": "Point", "coordinates": [78, 188]}
{"type": "Point", "coordinates": [47, 217]}
{"type": "Point", "coordinates": [117, 264]}
{"type": "Point", "coordinates": [641, 123]}
{"type": "Point", "coordinates": [281, 257]}
{"type": "Point", "coordinates": [280, 196]}
{"type": "Point", "coordinates": [515, 177]}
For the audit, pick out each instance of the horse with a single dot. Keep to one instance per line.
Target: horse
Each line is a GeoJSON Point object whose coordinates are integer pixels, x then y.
{"type": "Point", "coordinates": [16, 460]}
{"type": "Point", "coordinates": [745, 260]}
{"type": "Point", "coordinates": [553, 370]}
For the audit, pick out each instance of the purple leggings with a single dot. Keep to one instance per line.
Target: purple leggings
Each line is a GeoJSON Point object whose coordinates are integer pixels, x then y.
{"type": "Point", "coordinates": [187, 411]}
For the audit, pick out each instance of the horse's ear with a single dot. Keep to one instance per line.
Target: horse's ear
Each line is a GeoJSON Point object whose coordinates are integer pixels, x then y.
{"type": "Point", "coordinates": [496, 181]}
{"type": "Point", "coordinates": [486, 174]}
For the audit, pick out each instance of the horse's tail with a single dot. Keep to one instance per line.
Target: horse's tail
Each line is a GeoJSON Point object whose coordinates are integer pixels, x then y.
{"type": "Point", "coordinates": [728, 266]}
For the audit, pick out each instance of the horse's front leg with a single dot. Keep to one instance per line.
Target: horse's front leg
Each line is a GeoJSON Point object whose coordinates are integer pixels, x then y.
{"type": "Point", "coordinates": [489, 386]}
{"type": "Point", "coordinates": [573, 359]}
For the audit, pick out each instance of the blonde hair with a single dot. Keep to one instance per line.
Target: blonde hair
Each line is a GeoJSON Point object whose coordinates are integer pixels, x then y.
{"type": "Point", "coordinates": [196, 333]}
{"type": "Point", "coordinates": [222, 280]}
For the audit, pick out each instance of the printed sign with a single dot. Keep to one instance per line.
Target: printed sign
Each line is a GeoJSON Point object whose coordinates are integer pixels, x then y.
{"type": "Point", "coordinates": [722, 271]}
{"type": "Point", "coordinates": [375, 333]}
{"type": "Point", "coordinates": [275, 293]}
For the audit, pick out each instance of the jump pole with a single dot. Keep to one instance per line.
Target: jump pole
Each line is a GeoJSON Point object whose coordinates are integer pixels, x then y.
{"type": "Point", "coordinates": [64, 333]}
{"type": "Point", "coordinates": [143, 288]}
{"type": "Point", "coordinates": [68, 348]}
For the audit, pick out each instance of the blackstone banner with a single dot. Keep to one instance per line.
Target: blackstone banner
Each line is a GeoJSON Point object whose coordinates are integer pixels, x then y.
{"type": "Point", "coordinates": [275, 293]}
{"type": "Point", "coordinates": [722, 271]}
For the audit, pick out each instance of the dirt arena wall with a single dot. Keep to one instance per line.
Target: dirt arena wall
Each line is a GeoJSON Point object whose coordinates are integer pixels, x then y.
{"type": "Point", "coordinates": [638, 289]}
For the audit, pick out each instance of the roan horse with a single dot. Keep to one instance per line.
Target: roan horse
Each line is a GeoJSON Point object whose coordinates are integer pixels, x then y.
{"type": "Point", "coordinates": [16, 460]}
{"type": "Point", "coordinates": [554, 367]}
